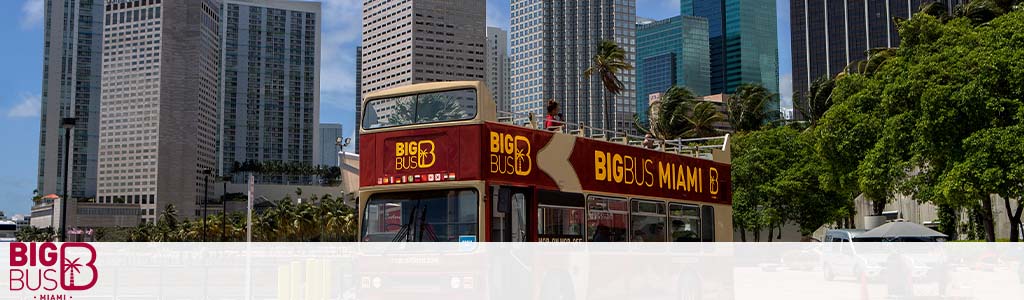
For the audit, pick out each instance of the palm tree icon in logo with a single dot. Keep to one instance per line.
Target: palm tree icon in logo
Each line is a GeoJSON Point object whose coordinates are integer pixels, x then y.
{"type": "Point", "coordinates": [71, 267]}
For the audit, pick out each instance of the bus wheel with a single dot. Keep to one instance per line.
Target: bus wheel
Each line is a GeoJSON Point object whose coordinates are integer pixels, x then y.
{"type": "Point", "coordinates": [557, 288]}
{"type": "Point", "coordinates": [689, 287]}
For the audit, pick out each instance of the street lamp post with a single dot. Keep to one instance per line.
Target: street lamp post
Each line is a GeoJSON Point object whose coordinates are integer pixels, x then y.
{"type": "Point", "coordinates": [69, 126]}
{"type": "Point", "coordinates": [206, 194]}
{"type": "Point", "coordinates": [224, 209]}
{"type": "Point", "coordinates": [341, 156]}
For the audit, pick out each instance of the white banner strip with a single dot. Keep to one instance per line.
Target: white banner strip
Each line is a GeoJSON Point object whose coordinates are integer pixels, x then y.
{"type": "Point", "coordinates": [44, 271]}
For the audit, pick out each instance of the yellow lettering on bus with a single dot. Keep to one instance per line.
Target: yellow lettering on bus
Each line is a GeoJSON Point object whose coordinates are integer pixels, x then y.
{"type": "Point", "coordinates": [681, 179]}
{"type": "Point", "coordinates": [665, 176]}
{"type": "Point", "coordinates": [617, 168]}
{"type": "Point", "coordinates": [647, 171]}
{"type": "Point", "coordinates": [510, 154]}
{"type": "Point", "coordinates": [523, 162]}
{"type": "Point", "coordinates": [600, 172]}
{"type": "Point", "coordinates": [495, 142]}
{"type": "Point", "coordinates": [629, 169]}
{"type": "Point", "coordinates": [713, 174]}
{"type": "Point", "coordinates": [422, 155]}
{"type": "Point", "coordinates": [693, 179]}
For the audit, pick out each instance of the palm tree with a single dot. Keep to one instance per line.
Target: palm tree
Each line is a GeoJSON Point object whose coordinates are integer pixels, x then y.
{"type": "Point", "coordinates": [702, 120]}
{"type": "Point", "coordinates": [867, 67]}
{"type": "Point", "coordinates": [71, 266]}
{"type": "Point", "coordinates": [746, 108]}
{"type": "Point", "coordinates": [668, 115]}
{"type": "Point", "coordinates": [169, 217]}
{"type": "Point", "coordinates": [813, 104]}
{"type": "Point", "coordinates": [982, 11]}
{"type": "Point", "coordinates": [607, 63]}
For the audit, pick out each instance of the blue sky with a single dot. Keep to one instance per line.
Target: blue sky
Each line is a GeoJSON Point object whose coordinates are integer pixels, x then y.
{"type": "Point", "coordinates": [20, 81]}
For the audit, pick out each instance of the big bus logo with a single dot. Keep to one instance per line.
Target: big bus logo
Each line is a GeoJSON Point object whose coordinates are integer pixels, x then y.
{"type": "Point", "coordinates": [510, 154]}
{"type": "Point", "coordinates": [47, 267]}
{"type": "Point", "coordinates": [414, 155]}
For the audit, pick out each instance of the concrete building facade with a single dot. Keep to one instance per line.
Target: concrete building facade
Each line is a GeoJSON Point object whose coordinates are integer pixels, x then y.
{"type": "Point", "coordinates": [497, 76]}
{"type": "Point", "coordinates": [407, 42]}
{"type": "Point", "coordinates": [553, 42]}
{"type": "Point", "coordinates": [270, 107]}
{"type": "Point", "coordinates": [359, 98]}
{"type": "Point", "coordinates": [827, 36]}
{"type": "Point", "coordinates": [158, 117]}
{"type": "Point", "coordinates": [328, 137]}
{"type": "Point", "coordinates": [73, 34]}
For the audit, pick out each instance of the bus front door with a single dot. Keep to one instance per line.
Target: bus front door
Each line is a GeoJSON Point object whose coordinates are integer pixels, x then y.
{"type": "Point", "coordinates": [508, 223]}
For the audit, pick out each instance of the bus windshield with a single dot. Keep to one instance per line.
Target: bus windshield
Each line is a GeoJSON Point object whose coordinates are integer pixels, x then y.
{"type": "Point", "coordinates": [424, 108]}
{"type": "Point", "coordinates": [423, 216]}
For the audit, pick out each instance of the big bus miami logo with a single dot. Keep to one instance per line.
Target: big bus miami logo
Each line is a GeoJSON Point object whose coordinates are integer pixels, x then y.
{"type": "Point", "coordinates": [48, 267]}
{"type": "Point", "coordinates": [626, 169]}
{"type": "Point", "coordinates": [510, 154]}
{"type": "Point", "coordinates": [414, 155]}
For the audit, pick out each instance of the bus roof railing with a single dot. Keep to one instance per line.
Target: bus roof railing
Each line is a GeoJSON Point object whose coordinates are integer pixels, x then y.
{"type": "Point", "coordinates": [695, 147]}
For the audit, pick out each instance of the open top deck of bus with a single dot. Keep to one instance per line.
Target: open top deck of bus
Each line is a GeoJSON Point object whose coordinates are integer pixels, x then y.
{"type": "Point", "coordinates": [448, 136]}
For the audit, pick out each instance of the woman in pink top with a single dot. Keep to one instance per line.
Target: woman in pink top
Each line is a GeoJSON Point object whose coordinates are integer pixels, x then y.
{"type": "Point", "coordinates": [552, 119]}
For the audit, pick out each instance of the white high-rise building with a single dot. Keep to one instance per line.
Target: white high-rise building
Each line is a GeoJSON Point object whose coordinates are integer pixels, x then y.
{"type": "Point", "coordinates": [270, 107]}
{"type": "Point", "coordinates": [407, 42]}
{"type": "Point", "coordinates": [498, 67]}
{"type": "Point", "coordinates": [554, 41]}
{"type": "Point", "coordinates": [158, 116]}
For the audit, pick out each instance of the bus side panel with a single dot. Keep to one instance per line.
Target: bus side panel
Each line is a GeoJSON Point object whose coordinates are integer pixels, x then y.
{"type": "Point", "coordinates": [421, 155]}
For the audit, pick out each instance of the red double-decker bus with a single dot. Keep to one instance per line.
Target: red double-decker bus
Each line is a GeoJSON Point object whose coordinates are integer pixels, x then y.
{"type": "Point", "coordinates": [437, 165]}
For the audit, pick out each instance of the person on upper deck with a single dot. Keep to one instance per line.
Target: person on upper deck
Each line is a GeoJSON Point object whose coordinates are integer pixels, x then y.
{"type": "Point", "coordinates": [553, 118]}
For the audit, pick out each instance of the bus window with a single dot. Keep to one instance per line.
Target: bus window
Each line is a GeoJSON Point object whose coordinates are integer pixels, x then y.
{"type": "Point", "coordinates": [685, 221]}
{"type": "Point", "coordinates": [707, 218]}
{"type": "Point", "coordinates": [648, 221]}
{"type": "Point", "coordinates": [607, 219]}
{"type": "Point", "coordinates": [421, 216]}
{"type": "Point", "coordinates": [420, 109]}
{"type": "Point", "coordinates": [559, 217]}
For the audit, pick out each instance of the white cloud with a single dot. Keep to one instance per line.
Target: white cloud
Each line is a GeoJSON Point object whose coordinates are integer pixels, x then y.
{"type": "Point", "coordinates": [28, 106]}
{"type": "Point", "coordinates": [786, 89]}
{"type": "Point", "coordinates": [31, 14]}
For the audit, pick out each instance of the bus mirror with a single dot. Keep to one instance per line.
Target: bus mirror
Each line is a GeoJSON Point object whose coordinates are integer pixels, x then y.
{"type": "Point", "coordinates": [504, 198]}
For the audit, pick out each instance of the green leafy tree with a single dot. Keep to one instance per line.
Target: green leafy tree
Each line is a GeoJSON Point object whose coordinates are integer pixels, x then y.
{"type": "Point", "coordinates": [609, 61]}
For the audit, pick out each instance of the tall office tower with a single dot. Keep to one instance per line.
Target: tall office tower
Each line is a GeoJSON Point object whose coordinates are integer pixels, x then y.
{"type": "Point", "coordinates": [407, 42]}
{"type": "Point", "coordinates": [554, 41]}
{"type": "Point", "coordinates": [158, 117]}
{"type": "Point", "coordinates": [271, 84]}
{"type": "Point", "coordinates": [329, 134]}
{"type": "Point", "coordinates": [71, 89]}
{"type": "Point", "coordinates": [743, 39]}
{"type": "Point", "coordinates": [671, 52]}
{"type": "Point", "coordinates": [829, 35]}
{"type": "Point", "coordinates": [497, 67]}
{"type": "Point", "coordinates": [359, 97]}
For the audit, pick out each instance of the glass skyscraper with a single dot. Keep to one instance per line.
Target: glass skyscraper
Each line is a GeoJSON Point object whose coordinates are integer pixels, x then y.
{"type": "Point", "coordinates": [554, 41]}
{"type": "Point", "coordinates": [72, 62]}
{"type": "Point", "coordinates": [671, 52]}
{"type": "Point", "coordinates": [742, 37]}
